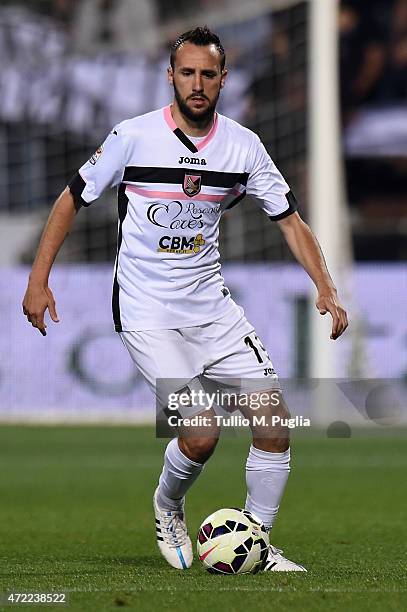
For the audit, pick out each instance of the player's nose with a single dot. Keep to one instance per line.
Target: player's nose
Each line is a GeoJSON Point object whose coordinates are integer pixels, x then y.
{"type": "Point", "coordinates": [198, 83]}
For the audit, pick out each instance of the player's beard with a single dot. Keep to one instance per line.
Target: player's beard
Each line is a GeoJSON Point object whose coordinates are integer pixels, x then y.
{"type": "Point", "coordinates": [200, 117]}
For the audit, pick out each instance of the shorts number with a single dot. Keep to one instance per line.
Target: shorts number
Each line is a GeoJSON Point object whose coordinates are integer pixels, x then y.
{"type": "Point", "coordinates": [249, 342]}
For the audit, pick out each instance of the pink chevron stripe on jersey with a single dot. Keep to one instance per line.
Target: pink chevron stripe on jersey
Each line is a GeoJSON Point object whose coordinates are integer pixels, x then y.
{"type": "Point", "coordinates": [168, 117]}
{"type": "Point", "coordinates": [180, 195]}
{"type": "Point", "coordinates": [173, 126]}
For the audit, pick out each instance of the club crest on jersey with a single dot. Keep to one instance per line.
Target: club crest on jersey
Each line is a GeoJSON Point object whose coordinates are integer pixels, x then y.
{"type": "Point", "coordinates": [192, 184]}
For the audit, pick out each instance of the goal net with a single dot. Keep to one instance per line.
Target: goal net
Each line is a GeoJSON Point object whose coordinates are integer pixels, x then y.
{"type": "Point", "coordinates": [50, 127]}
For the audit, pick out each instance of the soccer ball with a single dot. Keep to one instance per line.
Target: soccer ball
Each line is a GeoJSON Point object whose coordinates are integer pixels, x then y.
{"type": "Point", "coordinates": [232, 541]}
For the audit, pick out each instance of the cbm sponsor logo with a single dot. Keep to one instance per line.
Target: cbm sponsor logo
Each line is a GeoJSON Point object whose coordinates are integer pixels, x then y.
{"type": "Point", "coordinates": [181, 245]}
{"type": "Point", "coordinates": [194, 161]}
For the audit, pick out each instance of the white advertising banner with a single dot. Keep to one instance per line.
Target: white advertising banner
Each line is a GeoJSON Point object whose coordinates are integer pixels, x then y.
{"type": "Point", "coordinates": [81, 371]}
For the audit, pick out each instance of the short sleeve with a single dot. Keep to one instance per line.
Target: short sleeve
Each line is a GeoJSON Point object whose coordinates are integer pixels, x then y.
{"type": "Point", "coordinates": [104, 169]}
{"type": "Point", "coordinates": [267, 185]}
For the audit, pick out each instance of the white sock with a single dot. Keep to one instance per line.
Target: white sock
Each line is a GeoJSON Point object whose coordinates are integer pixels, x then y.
{"type": "Point", "coordinates": [179, 473]}
{"type": "Point", "coordinates": [266, 477]}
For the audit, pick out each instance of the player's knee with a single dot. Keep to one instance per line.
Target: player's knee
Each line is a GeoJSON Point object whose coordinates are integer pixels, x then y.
{"type": "Point", "coordinates": [274, 444]}
{"type": "Point", "coordinates": [198, 449]}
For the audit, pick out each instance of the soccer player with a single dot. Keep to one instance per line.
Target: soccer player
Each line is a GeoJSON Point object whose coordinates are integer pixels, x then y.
{"type": "Point", "coordinates": [177, 170]}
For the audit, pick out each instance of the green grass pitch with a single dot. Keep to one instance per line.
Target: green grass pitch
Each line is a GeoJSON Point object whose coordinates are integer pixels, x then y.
{"type": "Point", "coordinates": [76, 516]}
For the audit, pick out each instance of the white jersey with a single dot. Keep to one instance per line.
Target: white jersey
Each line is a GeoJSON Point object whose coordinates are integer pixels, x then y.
{"type": "Point", "coordinates": [171, 195]}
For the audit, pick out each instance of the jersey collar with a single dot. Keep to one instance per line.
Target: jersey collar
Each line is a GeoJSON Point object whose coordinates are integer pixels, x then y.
{"type": "Point", "coordinates": [183, 137]}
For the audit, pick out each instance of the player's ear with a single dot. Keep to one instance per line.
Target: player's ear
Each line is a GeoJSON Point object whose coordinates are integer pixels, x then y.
{"type": "Point", "coordinates": [223, 77]}
{"type": "Point", "coordinates": [170, 74]}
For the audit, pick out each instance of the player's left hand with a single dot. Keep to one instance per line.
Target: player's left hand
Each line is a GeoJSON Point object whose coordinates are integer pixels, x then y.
{"type": "Point", "coordinates": [329, 302]}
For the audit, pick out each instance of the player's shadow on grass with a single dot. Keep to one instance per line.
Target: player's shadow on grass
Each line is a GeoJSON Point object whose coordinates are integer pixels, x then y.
{"type": "Point", "coordinates": [147, 561]}
{"type": "Point", "coordinates": [141, 562]}
{"type": "Point", "coordinates": [91, 565]}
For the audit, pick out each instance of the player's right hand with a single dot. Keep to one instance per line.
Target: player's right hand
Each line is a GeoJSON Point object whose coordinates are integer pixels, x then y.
{"type": "Point", "coordinates": [36, 301]}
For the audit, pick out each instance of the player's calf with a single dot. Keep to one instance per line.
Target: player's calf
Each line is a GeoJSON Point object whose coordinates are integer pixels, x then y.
{"type": "Point", "coordinates": [198, 442]}
{"type": "Point", "coordinates": [268, 462]}
{"type": "Point", "coordinates": [268, 421]}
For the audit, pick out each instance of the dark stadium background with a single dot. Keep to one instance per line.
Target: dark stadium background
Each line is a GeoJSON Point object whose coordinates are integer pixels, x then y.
{"type": "Point", "coordinates": [78, 453]}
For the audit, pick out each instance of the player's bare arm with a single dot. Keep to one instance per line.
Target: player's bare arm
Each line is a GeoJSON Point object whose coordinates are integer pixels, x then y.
{"type": "Point", "coordinates": [307, 252]}
{"type": "Point", "coordinates": [38, 296]}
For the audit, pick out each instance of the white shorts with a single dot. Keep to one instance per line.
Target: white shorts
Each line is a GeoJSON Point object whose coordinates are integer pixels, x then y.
{"type": "Point", "coordinates": [225, 353]}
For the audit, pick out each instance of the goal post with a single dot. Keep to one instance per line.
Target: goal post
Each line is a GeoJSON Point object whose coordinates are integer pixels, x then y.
{"type": "Point", "coordinates": [325, 185]}
{"type": "Point", "coordinates": [329, 214]}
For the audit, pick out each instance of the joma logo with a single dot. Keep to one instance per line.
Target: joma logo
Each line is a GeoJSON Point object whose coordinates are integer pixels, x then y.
{"type": "Point", "coordinates": [192, 160]}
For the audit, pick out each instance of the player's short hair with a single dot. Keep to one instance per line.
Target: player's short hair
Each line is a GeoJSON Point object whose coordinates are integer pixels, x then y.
{"type": "Point", "coordinates": [201, 36]}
